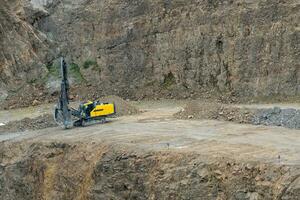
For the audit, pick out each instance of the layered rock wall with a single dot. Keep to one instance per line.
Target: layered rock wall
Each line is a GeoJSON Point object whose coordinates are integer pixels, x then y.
{"type": "Point", "coordinates": [250, 48]}
{"type": "Point", "coordinates": [98, 171]}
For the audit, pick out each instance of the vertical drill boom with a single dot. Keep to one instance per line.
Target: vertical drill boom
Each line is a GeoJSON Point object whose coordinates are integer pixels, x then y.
{"type": "Point", "coordinates": [63, 104]}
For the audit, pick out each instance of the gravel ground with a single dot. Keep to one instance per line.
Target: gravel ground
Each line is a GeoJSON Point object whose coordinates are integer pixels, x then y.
{"type": "Point", "coordinates": [285, 117]}
{"type": "Point", "coordinates": [215, 111]}
{"type": "Point", "coordinates": [289, 118]}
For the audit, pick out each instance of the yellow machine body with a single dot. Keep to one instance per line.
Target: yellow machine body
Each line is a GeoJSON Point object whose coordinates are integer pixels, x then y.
{"type": "Point", "coordinates": [103, 110]}
{"type": "Point", "coordinates": [96, 110]}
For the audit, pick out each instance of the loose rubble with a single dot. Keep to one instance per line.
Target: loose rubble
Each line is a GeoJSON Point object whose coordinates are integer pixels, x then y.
{"type": "Point", "coordinates": [217, 111]}
{"type": "Point", "coordinates": [289, 118]}
{"type": "Point", "coordinates": [41, 122]}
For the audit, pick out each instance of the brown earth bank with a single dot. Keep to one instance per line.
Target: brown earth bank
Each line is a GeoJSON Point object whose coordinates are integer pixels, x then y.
{"type": "Point", "coordinates": [148, 49]}
{"type": "Point", "coordinates": [93, 170]}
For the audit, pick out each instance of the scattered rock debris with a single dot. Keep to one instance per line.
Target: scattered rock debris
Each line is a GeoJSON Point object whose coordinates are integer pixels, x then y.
{"type": "Point", "coordinates": [289, 118]}
{"type": "Point", "coordinates": [41, 122]}
{"type": "Point", "coordinates": [217, 111]}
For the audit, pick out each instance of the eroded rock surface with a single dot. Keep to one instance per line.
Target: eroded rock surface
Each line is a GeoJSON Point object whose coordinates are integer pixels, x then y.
{"type": "Point", "coordinates": [23, 48]}
{"type": "Point", "coordinates": [141, 48]}
{"type": "Point", "coordinates": [101, 171]}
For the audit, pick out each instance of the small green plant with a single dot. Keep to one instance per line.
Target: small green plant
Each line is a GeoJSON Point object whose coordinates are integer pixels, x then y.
{"type": "Point", "coordinates": [75, 71]}
{"type": "Point", "coordinates": [32, 81]}
{"type": "Point", "coordinates": [169, 80]}
{"type": "Point", "coordinates": [53, 69]}
{"type": "Point", "coordinates": [89, 63]}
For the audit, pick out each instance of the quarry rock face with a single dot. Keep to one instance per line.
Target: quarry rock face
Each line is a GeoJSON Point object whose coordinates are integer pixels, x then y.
{"type": "Point", "coordinates": [250, 48]}
{"type": "Point", "coordinates": [23, 48]}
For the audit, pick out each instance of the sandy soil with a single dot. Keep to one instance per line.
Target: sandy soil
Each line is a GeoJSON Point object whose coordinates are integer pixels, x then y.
{"type": "Point", "coordinates": [157, 129]}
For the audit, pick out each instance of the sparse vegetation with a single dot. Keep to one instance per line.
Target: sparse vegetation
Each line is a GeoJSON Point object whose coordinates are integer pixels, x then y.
{"type": "Point", "coordinates": [32, 81]}
{"type": "Point", "coordinates": [90, 63]}
{"type": "Point", "coordinates": [75, 72]}
{"type": "Point", "coordinates": [169, 80]}
{"type": "Point", "coordinates": [53, 69]}
{"type": "Point", "coordinates": [53, 72]}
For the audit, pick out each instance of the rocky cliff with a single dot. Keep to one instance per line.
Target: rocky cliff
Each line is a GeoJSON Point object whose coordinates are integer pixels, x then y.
{"type": "Point", "coordinates": [22, 47]}
{"type": "Point", "coordinates": [140, 48]}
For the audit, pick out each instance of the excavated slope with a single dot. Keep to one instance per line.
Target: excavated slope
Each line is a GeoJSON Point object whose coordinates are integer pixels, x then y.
{"type": "Point", "coordinates": [141, 48]}
{"type": "Point", "coordinates": [54, 170]}
{"type": "Point", "coordinates": [22, 47]}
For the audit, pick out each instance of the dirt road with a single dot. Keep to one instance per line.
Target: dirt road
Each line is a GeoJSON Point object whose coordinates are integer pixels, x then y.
{"type": "Point", "coordinates": [157, 129]}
